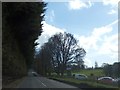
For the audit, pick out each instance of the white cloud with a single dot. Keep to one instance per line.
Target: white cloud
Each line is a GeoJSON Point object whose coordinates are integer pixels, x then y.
{"type": "Point", "coordinates": [101, 42]}
{"type": "Point", "coordinates": [88, 62]}
{"type": "Point", "coordinates": [90, 3]}
{"type": "Point", "coordinates": [114, 6]}
{"type": "Point", "coordinates": [51, 30]}
{"type": "Point", "coordinates": [96, 35]}
{"type": "Point", "coordinates": [113, 23]}
{"type": "Point", "coordinates": [111, 2]}
{"type": "Point", "coordinates": [110, 44]}
{"type": "Point", "coordinates": [48, 31]}
{"type": "Point", "coordinates": [79, 4]}
{"type": "Point", "coordinates": [98, 32]}
{"type": "Point", "coordinates": [112, 11]}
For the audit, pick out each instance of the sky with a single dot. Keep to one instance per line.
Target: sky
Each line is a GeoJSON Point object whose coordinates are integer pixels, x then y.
{"type": "Point", "coordinates": [93, 24]}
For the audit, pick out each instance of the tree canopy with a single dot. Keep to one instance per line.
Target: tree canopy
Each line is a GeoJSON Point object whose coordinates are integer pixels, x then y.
{"type": "Point", "coordinates": [59, 52]}
{"type": "Point", "coordinates": [112, 70]}
{"type": "Point", "coordinates": [21, 24]}
{"type": "Point", "coordinates": [24, 22]}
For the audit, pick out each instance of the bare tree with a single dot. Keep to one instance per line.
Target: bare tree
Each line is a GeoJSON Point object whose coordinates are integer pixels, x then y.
{"type": "Point", "coordinates": [65, 48]}
{"type": "Point", "coordinates": [60, 50]}
{"type": "Point", "coordinates": [79, 55]}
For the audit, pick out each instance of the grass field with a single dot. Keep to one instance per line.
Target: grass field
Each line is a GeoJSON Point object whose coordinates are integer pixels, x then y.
{"type": "Point", "coordinates": [90, 82]}
{"type": "Point", "coordinates": [96, 72]}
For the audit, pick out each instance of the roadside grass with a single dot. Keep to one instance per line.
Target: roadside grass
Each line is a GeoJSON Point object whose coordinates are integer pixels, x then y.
{"type": "Point", "coordinates": [93, 84]}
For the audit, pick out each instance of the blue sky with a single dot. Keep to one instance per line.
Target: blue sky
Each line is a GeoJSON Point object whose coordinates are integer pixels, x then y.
{"type": "Point", "coordinates": [94, 24]}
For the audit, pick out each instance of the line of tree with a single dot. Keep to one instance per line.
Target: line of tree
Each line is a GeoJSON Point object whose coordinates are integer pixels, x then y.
{"type": "Point", "coordinates": [21, 26]}
{"type": "Point", "coordinates": [112, 70]}
{"type": "Point", "coordinates": [58, 54]}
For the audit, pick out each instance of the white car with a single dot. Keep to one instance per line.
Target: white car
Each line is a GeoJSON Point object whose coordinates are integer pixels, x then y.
{"type": "Point", "coordinates": [106, 79]}
{"type": "Point", "coordinates": [34, 73]}
{"type": "Point", "coordinates": [80, 76]}
{"type": "Point", "coordinates": [117, 80]}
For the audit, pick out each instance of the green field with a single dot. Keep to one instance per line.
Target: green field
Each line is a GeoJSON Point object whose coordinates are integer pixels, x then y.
{"type": "Point", "coordinates": [96, 72]}
{"type": "Point", "coordinates": [91, 81]}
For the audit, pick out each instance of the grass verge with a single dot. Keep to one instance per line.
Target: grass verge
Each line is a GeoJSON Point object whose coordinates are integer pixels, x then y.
{"type": "Point", "coordinates": [83, 83]}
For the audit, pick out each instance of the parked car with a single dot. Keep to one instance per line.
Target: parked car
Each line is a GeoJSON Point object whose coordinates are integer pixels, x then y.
{"type": "Point", "coordinates": [106, 79]}
{"type": "Point", "coordinates": [117, 81]}
{"type": "Point", "coordinates": [34, 74]}
{"type": "Point", "coordinates": [80, 76]}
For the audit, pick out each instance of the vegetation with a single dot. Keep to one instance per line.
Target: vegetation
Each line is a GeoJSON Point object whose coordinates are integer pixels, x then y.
{"type": "Point", "coordinates": [112, 70]}
{"type": "Point", "coordinates": [91, 82]}
{"type": "Point", "coordinates": [88, 72]}
{"type": "Point", "coordinates": [81, 83]}
{"type": "Point", "coordinates": [105, 70]}
{"type": "Point", "coordinates": [21, 27]}
{"type": "Point", "coordinates": [59, 53]}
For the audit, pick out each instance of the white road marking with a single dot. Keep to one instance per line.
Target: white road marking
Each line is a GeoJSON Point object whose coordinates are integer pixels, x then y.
{"type": "Point", "coordinates": [41, 82]}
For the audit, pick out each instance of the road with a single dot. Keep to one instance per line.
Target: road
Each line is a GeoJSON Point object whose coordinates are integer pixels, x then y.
{"type": "Point", "coordinates": [41, 82]}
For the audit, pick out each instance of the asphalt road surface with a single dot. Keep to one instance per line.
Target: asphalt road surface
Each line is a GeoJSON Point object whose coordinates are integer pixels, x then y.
{"type": "Point", "coordinates": [41, 82]}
